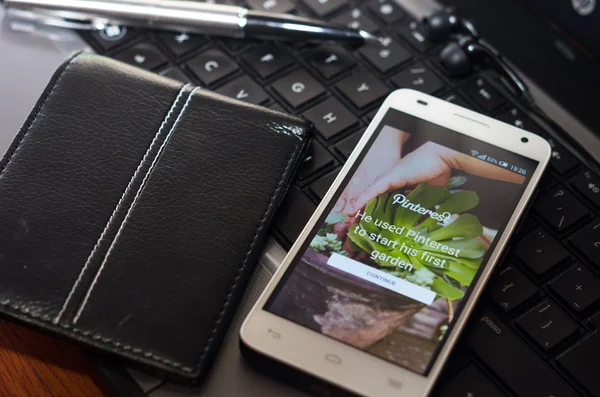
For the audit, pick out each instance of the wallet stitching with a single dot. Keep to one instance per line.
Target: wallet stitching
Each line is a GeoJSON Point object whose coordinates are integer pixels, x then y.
{"type": "Point", "coordinates": [134, 202]}
{"type": "Point", "coordinates": [259, 229]}
{"type": "Point", "coordinates": [98, 339]}
{"type": "Point", "coordinates": [118, 206]}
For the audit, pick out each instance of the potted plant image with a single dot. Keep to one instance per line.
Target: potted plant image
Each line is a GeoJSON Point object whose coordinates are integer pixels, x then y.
{"type": "Point", "coordinates": [443, 255]}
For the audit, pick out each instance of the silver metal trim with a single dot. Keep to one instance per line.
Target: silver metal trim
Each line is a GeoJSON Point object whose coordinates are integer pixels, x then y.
{"type": "Point", "coordinates": [176, 15]}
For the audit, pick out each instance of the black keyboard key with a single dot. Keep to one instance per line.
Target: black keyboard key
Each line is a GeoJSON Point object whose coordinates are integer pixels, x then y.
{"type": "Point", "coordinates": [280, 6]}
{"type": "Point", "coordinates": [175, 74]}
{"type": "Point", "coordinates": [143, 55]}
{"type": "Point", "coordinates": [455, 99]}
{"type": "Point", "coordinates": [455, 363]}
{"type": "Point", "coordinates": [587, 241]}
{"type": "Point", "coordinates": [330, 61]}
{"type": "Point", "coordinates": [526, 225]}
{"type": "Point", "coordinates": [547, 325]}
{"type": "Point", "coordinates": [582, 362]}
{"type": "Point", "coordinates": [294, 214]}
{"type": "Point", "coordinates": [413, 34]}
{"type": "Point", "coordinates": [114, 35]}
{"type": "Point", "coordinates": [418, 77]}
{"type": "Point", "coordinates": [512, 288]}
{"type": "Point", "coordinates": [316, 160]}
{"type": "Point", "coordinates": [244, 89]}
{"type": "Point", "coordinates": [325, 7]}
{"type": "Point", "coordinates": [483, 94]}
{"type": "Point", "coordinates": [578, 287]}
{"type": "Point", "coordinates": [387, 10]}
{"type": "Point", "coordinates": [357, 19]}
{"type": "Point", "coordinates": [266, 60]}
{"type": "Point", "coordinates": [515, 117]}
{"type": "Point", "coordinates": [347, 145]}
{"type": "Point", "coordinates": [211, 66]}
{"type": "Point", "coordinates": [331, 117]}
{"type": "Point", "coordinates": [322, 185]}
{"type": "Point", "coordinates": [181, 43]}
{"type": "Point", "coordinates": [513, 361]}
{"type": "Point", "coordinates": [588, 184]}
{"type": "Point", "coordinates": [235, 45]}
{"type": "Point", "coordinates": [541, 252]}
{"type": "Point", "coordinates": [386, 57]}
{"type": "Point", "coordinates": [298, 87]}
{"type": "Point", "coordinates": [470, 382]}
{"type": "Point", "coordinates": [371, 115]}
{"type": "Point", "coordinates": [560, 208]}
{"type": "Point", "coordinates": [561, 161]}
{"type": "Point", "coordinates": [362, 89]}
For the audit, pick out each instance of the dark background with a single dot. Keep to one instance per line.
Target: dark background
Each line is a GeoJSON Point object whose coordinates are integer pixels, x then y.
{"type": "Point", "coordinates": [549, 43]}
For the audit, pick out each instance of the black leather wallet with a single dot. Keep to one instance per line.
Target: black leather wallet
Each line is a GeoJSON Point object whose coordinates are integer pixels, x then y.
{"type": "Point", "coordinates": [132, 210]}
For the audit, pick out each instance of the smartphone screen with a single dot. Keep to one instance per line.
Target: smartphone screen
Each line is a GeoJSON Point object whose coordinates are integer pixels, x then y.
{"type": "Point", "coordinates": [388, 267]}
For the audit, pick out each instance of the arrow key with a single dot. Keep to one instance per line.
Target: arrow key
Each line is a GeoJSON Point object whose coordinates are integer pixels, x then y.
{"type": "Point", "coordinates": [470, 382]}
{"type": "Point", "coordinates": [244, 89]}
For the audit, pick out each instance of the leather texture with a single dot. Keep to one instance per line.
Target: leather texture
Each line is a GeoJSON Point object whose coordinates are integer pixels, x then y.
{"type": "Point", "coordinates": [133, 209]}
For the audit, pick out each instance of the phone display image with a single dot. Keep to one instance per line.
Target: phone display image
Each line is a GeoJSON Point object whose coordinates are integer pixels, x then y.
{"type": "Point", "coordinates": [389, 265]}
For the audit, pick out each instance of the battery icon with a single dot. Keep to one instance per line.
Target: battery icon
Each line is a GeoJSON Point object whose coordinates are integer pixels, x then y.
{"type": "Point", "coordinates": [503, 164]}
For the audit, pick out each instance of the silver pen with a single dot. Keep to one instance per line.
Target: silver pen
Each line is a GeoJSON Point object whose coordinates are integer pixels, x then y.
{"type": "Point", "coordinates": [183, 16]}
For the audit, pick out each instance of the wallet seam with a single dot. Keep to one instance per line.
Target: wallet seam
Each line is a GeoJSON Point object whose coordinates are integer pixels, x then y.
{"type": "Point", "coordinates": [138, 194]}
{"type": "Point", "coordinates": [96, 338]}
{"type": "Point", "coordinates": [236, 279]}
{"type": "Point", "coordinates": [144, 159]}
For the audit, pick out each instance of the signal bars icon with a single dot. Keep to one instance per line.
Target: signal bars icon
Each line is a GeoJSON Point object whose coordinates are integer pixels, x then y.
{"type": "Point", "coordinates": [475, 153]}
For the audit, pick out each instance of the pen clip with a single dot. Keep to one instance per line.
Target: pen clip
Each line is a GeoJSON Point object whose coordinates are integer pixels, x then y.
{"type": "Point", "coordinates": [61, 19]}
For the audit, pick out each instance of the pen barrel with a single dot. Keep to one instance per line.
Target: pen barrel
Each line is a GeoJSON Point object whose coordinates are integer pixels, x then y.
{"type": "Point", "coordinates": [176, 15]}
{"type": "Point", "coordinates": [265, 25]}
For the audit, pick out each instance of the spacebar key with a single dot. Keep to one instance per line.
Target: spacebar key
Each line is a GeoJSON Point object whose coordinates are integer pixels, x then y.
{"type": "Point", "coordinates": [513, 361]}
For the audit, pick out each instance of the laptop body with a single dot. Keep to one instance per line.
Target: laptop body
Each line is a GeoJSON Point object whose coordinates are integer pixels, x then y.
{"type": "Point", "coordinates": [231, 376]}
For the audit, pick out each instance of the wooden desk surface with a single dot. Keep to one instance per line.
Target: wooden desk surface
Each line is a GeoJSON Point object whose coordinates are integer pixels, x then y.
{"type": "Point", "coordinates": [37, 365]}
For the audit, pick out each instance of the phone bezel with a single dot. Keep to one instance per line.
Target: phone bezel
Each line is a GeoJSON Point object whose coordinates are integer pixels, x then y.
{"type": "Point", "coordinates": [351, 374]}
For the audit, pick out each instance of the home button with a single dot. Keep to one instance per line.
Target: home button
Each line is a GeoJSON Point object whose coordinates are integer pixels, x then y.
{"type": "Point", "coordinates": [333, 358]}
{"type": "Point", "coordinates": [394, 384]}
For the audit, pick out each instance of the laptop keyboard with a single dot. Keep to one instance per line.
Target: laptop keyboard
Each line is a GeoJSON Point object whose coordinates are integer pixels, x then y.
{"type": "Point", "coordinates": [536, 330]}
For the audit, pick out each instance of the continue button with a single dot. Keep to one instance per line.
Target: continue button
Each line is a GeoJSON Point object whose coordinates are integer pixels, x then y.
{"type": "Point", "coordinates": [382, 279]}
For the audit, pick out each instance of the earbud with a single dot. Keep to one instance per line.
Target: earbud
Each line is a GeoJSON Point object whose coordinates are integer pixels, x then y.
{"type": "Point", "coordinates": [455, 60]}
{"type": "Point", "coordinates": [441, 24]}
{"type": "Point", "coordinates": [467, 51]}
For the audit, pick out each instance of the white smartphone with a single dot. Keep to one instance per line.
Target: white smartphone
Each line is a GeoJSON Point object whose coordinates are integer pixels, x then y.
{"type": "Point", "coordinates": [374, 293]}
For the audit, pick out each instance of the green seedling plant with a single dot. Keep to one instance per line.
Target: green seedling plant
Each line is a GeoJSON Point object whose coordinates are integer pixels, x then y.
{"type": "Point", "coordinates": [459, 232]}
